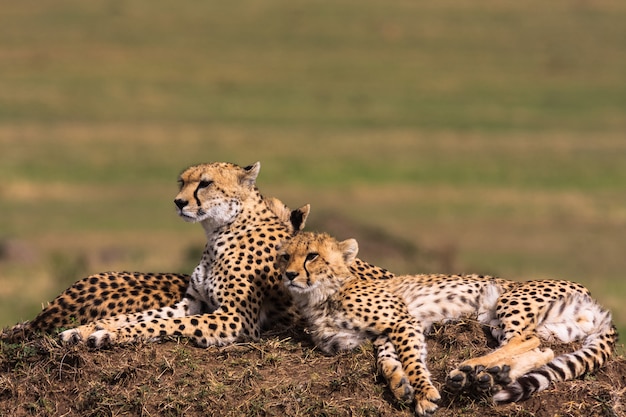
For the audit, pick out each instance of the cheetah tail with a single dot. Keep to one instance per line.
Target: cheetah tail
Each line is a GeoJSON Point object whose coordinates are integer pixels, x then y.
{"type": "Point", "coordinates": [596, 350]}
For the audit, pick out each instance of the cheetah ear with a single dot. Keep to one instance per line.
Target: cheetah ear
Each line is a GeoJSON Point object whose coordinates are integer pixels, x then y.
{"type": "Point", "coordinates": [349, 248]}
{"type": "Point", "coordinates": [298, 217]}
{"type": "Point", "coordinates": [251, 172]}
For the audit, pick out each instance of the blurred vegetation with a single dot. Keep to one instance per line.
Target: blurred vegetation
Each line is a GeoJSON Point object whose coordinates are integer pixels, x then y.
{"type": "Point", "coordinates": [492, 133]}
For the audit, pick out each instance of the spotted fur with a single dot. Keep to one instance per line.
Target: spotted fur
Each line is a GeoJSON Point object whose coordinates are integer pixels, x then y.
{"type": "Point", "coordinates": [108, 294]}
{"type": "Point", "coordinates": [100, 296]}
{"type": "Point", "coordinates": [343, 311]}
{"type": "Point", "coordinates": [236, 290]}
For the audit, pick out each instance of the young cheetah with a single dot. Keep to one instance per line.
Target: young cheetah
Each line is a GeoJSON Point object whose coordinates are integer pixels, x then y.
{"type": "Point", "coordinates": [343, 311]}
{"type": "Point", "coordinates": [236, 289]}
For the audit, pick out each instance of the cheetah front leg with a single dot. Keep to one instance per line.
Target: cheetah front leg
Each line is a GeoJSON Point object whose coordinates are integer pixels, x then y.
{"type": "Point", "coordinates": [82, 333]}
{"type": "Point", "coordinates": [104, 330]}
{"type": "Point", "coordinates": [215, 329]}
{"type": "Point", "coordinates": [409, 342]}
{"type": "Point", "coordinates": [390, 367]}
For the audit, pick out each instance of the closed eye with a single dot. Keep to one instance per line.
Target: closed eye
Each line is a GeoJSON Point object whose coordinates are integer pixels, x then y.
{"type": "Point", "coordinates": [181, 184]}
{"type": "Point", "coordinates": [312, 256]}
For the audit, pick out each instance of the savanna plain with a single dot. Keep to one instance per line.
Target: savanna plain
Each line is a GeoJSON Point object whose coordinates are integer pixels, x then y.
{"type": "Point", "coordinates": [464, 137]}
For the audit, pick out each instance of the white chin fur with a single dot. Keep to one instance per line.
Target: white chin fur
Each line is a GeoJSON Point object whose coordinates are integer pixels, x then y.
{"type": "Point", "coordinates": [217, 215]}
{"type": "Point", "coordinates": [187, 218]}
{"type": "Point", "coordinates": [220, 214]}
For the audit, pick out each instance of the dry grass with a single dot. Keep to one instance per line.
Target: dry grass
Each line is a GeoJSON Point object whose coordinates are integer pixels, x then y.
{"type": "Point", "coordinates": [279, 375]}
{"type": "Point", "coordinates": [465, 136]}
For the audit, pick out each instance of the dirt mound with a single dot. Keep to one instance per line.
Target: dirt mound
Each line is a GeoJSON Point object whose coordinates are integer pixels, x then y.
{"type": "Point", "coordinates": [279, 375]}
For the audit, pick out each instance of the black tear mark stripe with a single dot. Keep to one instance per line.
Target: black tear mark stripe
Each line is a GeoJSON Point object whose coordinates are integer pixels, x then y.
{"type": "Point", "coordinates": [195, 195]}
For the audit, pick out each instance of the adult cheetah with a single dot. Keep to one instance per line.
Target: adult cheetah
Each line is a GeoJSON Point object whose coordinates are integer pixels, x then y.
{"type": "Point", "coordinates": [343, 311]}
{"type": "Point", "coordinates": [236, 289]}
{"type": "Point", "coordinates": [107, 294]}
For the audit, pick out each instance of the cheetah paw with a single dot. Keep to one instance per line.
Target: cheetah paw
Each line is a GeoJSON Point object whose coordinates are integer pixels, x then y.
{"type": "Point", "coordinates": [479, 378]}
{"type": "Point", "coordinates": [100, 339]}
{"type": "Point", "coordinates": [460, 378]}
{"type": "Point", "coordinates": [426, 402]}
{"type": "Point", "coordinates": [402, 390]}
{"type": "Point", "coordinates": [78, 334]}
{"type": "Point", "coordinates": [71, 337]}
{"type": "Point", "coordinates": [491, 377]}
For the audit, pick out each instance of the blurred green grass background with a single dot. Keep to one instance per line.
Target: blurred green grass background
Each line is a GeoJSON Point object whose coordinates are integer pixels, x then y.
{"type": "Point", "coordinates": [455, 136]}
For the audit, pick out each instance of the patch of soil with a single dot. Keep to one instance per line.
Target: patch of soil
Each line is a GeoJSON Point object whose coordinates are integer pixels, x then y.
{"type": "Point", "coordinates": [280, 375]}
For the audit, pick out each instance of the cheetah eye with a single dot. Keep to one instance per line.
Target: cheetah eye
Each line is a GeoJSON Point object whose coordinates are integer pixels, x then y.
{"type": "Point", "coordinates": [181, 184]}
{"type": "Point", "coordinates": [284, 257]}
{"type": "Point", "coordinates": [204, 184]}
{"type": "Point", "coordinates": [312, 256]}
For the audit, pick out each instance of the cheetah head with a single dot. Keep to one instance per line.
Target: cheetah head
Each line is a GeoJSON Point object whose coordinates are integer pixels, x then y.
{"type": "Point", "coordinates": [214, 192]}
{"type": "Point", "coordinates": [314, 265]}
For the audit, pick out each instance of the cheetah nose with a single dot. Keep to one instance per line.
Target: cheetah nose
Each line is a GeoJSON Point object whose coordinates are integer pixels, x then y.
{"type": "Point", "coordinates": [291, 275]}
{"type": "Point", "coordinates": [180, 203]}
